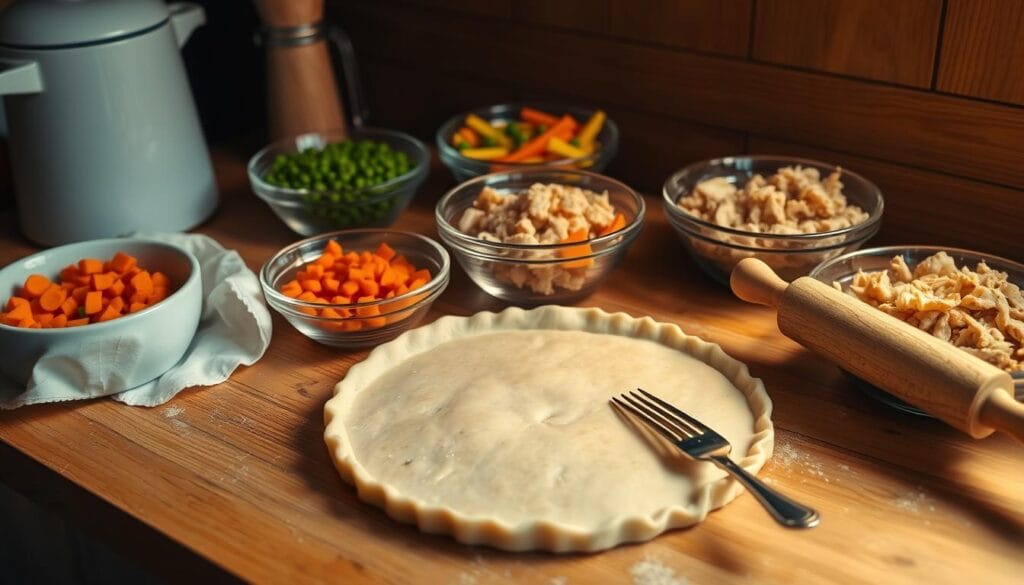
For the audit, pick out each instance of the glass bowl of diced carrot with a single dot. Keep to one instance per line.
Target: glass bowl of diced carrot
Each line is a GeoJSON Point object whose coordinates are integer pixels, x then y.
{"type": "Point", "coordinates": [142, 296]}
{"type": "Point", "coordinates": [356, 288]}
{"type": "Point", "coordinates": [519, 135]}
{"type": "Point", "coordinates": [540, 236]}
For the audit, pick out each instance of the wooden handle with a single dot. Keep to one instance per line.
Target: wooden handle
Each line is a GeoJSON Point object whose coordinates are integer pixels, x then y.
{"type": "Point", "coordinates": [905, 361]}
{"type": "Point", "coordinates": [755, 282]}
{"type": "Point", "coordinates": [1001, 412]}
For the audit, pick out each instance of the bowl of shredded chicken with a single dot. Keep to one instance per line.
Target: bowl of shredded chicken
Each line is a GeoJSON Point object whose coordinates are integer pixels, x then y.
{"type": "Point", "coordinates": [972, 300]}
{"type": "Point", "coordinates": [791, 213]}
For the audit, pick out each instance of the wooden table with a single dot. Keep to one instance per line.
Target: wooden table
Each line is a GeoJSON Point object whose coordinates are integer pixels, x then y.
{"type": "Point", "coordinates": [234, 481]}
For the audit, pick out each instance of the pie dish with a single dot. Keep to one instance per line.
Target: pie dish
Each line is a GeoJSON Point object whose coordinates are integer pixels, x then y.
{"type": "Point", "coordinates": [496, 428]}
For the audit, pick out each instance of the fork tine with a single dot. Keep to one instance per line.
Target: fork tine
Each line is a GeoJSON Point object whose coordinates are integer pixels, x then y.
{"type": "Point", "coordinates": [681, 431]}
{"type": "Point", "coordinates": [653, 424]}
{"type": "Point", "coordinates": [695, 424]}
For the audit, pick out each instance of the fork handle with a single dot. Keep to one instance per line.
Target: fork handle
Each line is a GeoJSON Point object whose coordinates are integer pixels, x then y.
{"type": "Point", "coordinates": [784, 510]}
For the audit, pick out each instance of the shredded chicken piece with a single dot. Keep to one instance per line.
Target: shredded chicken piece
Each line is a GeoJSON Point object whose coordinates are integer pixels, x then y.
{"type": "Point", "coordinates": [792, 201]}
{"type": "Point", "coordinates": [543, 214]}
{"type": "Point", "coordinates": [980, 310]}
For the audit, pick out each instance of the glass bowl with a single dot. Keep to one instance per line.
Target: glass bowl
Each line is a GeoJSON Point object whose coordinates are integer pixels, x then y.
{"type": "Point", "coordinates": [464, 168]}
{"type": "Point", "coordinates": [309, 212]}
{"type": "Point", "coordinates": [843, 268]}
{"type": "Point", "coordinates": [531, 274]}
{"type": "Point", "coordinates": [717, 249]}
{"type": "Point", "coordinates": [359, 324]}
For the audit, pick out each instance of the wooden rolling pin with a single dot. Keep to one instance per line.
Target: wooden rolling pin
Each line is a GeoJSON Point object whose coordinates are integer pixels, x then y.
{"type": "Point", "coordinates": [954, 386]}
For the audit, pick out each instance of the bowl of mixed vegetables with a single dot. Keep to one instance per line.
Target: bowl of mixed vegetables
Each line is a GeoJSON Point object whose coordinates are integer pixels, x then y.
{"type": "Point", "coordinates": [325, 181]}
{"type": "Point", "coordinates": [508, 137]}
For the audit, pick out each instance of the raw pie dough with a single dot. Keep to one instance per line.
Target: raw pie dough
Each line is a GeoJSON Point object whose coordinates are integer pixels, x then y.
{"type": "Point", "coordinates": [496, 429]}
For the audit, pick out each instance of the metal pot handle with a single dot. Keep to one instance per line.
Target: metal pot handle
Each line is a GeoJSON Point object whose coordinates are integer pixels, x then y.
{"type": "Point", "coordinates": [186, 17]}
{"type": "Point", "coordinates": [20, 77]}
{"type": "Point", "coordinates": [347, 71]}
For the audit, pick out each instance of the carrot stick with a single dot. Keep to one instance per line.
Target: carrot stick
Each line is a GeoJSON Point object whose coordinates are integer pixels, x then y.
{"type": "Point", "coordinates": [538, 145]}
{"type": "Point", "coordinates": [537, 116]}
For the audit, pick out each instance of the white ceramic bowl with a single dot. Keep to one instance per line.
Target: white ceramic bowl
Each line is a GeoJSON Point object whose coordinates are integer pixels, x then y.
{"type": "Point", "coordinates": [159, 334]}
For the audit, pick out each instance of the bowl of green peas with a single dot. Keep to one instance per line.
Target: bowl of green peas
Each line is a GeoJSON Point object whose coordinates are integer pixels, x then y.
{"type": "Point", "coordinates": [326, 181]}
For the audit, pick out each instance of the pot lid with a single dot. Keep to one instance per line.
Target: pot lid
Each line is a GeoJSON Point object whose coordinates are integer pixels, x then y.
{"type": "Point", "coordinates": [52, 24]}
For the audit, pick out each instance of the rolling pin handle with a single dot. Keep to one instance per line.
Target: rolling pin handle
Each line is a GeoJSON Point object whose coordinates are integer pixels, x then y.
{"type": "Point", "coordinates": [1001, 412]}
{"type": "Point", "coordinates": [755, 282]}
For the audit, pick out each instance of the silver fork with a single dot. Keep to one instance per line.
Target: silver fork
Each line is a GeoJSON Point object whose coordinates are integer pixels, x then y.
{"type": "Point", "coordinates": [698, 441]}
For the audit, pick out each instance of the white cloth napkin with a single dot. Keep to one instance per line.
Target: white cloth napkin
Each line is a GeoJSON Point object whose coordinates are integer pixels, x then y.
{"type": "Point", "coordinates": [234, 328]}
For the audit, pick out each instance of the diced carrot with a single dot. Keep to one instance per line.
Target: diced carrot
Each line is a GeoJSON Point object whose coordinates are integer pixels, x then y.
{"type": "Point", "coordinates": [291, 289]}
{"type": "Point", "coordinates": [69, 306]}
{"type": "Point", "coordinates": [340, 300]}
{"type": "Point", "coordinates": [52, 298]}
{"type": "Point", "coordinates": [330, 313]}
{"type": "Point", "coordinates": [58, 321]}
{"type": "Point", "coordinates": [136, 307]}
{"type": "Point", "coordinates": [103, 280]}
{"type": "Point", "coordinates": [18, 312]}
{"type": "Point", "coordinates": [617, 224]}
{"type": "Point", "coordinates": [108, 314]}
{"type": "Point", "coordinates": [385, 251]}
{"type": "Point", "coordinates": [158, 294]}
{"type": "Point", "coordinates": [43, 318]}
{"type": "Point", "coordinates": [307, 296]}
{"type": "Point", "coordinates": [349, 288]}
{"type": "Point", "coordinates": [116, 289]}
{"type": "Point", "coordinates": [78, 322]}
{"type": "Point", "coordinates": [325, 260]}
{"type": "Point", "coordinates": [333, 248]}
{"type": "Point", "coordinates": [331, 285]}
{"type": "Point", "coordinates": [79, 293]}
{"type": "Point", "coordinates": [15, 301]}
{"type": "Point", "coordinates": [93, 302]}
{"type": "Point", "coordinates": [369, 288]}
{"type": "Point", "coordinates": [315, 270]}
{"type": "Point", "coordinates": [122, 263]}
{"type": "Point", "coordinates": [142, 283]}
{"type": "Point", "coordinates": [89, 266]}
{"type": "Point", "coordinates": [160, 279]}
{"type": "Point", "coordinates": [312, 285]}
{"type": "Point", "coordinates": [35, 285]}
{"type": "Point", "coordinates": [69, 272]}
{"type": "Point", "coordinates": [581, 235]}
{"type": "Point", "coordinates": [117, 304]}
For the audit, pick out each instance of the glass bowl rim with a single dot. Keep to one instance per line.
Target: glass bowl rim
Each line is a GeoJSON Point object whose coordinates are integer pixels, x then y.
{"type": "Point", "coordinates": [278, 195]}
{"type": "Point", "coordinates": [461, 240]}
{"type": "Point", "coordinates": [898, 250]}
{"type": "Point", "coordinates": [678, 215]}
{"type": "Point", "coordinates": [440, 279]}
{"type": "Point", "coordinates": [453, 153]}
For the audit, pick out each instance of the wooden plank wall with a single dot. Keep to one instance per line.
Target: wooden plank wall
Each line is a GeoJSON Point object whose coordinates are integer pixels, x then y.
{"type": "Point", "coordinates": [925, 97]}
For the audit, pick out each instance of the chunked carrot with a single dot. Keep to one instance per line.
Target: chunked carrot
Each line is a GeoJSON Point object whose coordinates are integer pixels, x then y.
{"type": "Point", "coordinates": [52, 298]}
{"type": "Point", "coordinates": [88, 291]}
{"type": "Point", "coordinates": [577, 251]}
{"type": "Point", "coordinates": [617, 224]}
{"type": "Point", "coordinates": [357, 278]}
{"type": "Point", "coordinates": [35, 285]}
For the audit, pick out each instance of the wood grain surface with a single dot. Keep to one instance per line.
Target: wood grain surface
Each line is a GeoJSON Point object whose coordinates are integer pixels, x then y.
{"type": "Point", "coordinates": [968, 138]}
{"type": "Point", "coordinates": [874, 39]}
{"type": "Point", "coordinates": [710, 26]}
{"type": "Point", "coordinates": [234, 481]}
{"type": "Point", "coordinates": [983, 50]}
